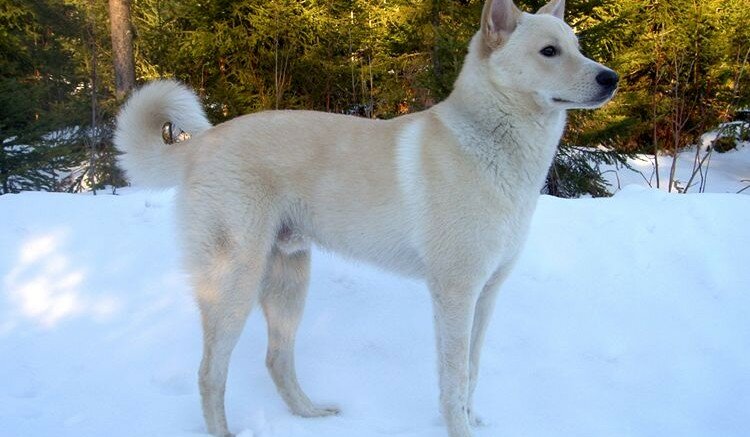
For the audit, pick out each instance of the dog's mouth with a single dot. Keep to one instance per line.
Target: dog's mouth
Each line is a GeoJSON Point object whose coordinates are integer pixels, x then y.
{"type": "Point", "coordinates": [602, 99]}
{"type": "Point", "coordinates": [598, 101]}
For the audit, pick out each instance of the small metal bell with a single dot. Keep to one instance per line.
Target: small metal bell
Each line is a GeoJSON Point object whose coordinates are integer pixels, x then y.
{"type": "Point", "coordinates": [167, 133]}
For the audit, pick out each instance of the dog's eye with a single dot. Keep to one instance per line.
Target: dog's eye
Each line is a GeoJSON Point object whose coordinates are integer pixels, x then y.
{"type": "Point", "coordinates": [549, 51]}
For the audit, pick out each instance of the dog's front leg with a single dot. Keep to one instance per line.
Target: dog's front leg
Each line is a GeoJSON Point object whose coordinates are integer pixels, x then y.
{"type": "Point", "coordinates": [482, 314]}
{"type": "Point", "coordinates": [453, 305]}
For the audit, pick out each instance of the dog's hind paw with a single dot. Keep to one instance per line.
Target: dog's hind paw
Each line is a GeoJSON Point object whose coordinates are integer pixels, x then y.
{"type": "Point", "coordinates": [319, 411]}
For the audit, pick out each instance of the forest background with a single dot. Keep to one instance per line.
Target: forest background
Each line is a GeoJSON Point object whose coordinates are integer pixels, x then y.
{"type": "Point", "coordinates": [67, 65]}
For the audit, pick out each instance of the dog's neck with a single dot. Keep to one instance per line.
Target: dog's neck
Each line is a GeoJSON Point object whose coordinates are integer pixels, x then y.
{"type": "Point", "coordinates": [505, 128]}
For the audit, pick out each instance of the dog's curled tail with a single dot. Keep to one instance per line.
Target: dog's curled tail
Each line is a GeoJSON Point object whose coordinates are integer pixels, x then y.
{"type": "Point", "coordinates": [147, 159]}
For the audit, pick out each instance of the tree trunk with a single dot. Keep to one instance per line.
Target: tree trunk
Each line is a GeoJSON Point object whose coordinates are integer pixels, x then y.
{"type": "Point", "coordinates": [437, 65]}
{"type": "Point", "coordinates": [122, 47]}
{"type": "Point", "coordinates": [93, 137]}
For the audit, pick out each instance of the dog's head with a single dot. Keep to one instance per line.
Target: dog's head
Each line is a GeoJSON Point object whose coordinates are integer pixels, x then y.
{"type": "Point", "coordinates": [538, 54]}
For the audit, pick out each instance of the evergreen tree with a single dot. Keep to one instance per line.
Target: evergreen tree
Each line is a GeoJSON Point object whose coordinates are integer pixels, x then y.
{"type": "Point", "coordinates": [39, 111]}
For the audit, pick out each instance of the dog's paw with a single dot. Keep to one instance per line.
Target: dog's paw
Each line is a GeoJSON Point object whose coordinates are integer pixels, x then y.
{"type": "Point", "coordinates": [319, 411]}
{"type": "Point", "coordinates": [475, 420]}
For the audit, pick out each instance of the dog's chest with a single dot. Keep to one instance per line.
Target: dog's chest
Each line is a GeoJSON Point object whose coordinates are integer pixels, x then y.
{"type": "Point", "coordinates": [518, 157]}
{"type": "Point", "coordinates": [495, 221]}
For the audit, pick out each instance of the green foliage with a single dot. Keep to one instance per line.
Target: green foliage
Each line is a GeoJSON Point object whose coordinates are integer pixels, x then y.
{"type": "Point", "coordinates": [730, 135]}
{"type": "Point", "coordinates": [50, 141]}
{"type": "Point", "coordinates": [685, 70]}
{"type": "Point", "coordinates": [725, 144]}
{"type": "Point", "coordinates": [35, 86]}
{"type": "Point", "coordinates": [575, 171]}
{"type": "Point", "coordinates": [356, 57]}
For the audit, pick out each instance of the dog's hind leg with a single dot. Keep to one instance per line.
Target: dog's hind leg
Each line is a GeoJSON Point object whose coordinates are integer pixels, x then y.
{"type": "Point", "coordinates": [227, 288]}
{"type": "Point", "coordinates": [283, 300]}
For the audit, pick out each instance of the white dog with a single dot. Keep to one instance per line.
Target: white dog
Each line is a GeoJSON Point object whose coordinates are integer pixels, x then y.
{"type": "Point", "coordinates": [445, 195]}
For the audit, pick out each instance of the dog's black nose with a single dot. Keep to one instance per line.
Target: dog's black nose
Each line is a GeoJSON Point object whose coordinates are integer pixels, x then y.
{"type": "Point", "coordinates": [607, 78]}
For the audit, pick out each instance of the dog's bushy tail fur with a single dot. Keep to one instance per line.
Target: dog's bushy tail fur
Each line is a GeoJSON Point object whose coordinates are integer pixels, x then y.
{"type": "Point", "coordinates": [146, 159]}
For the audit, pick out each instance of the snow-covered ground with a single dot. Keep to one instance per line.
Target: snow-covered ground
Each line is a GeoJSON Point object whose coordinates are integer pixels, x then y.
{"type": "Point", "coordinates": [727, 172]}
{"type": "Point", "coordinates": [627, 316]}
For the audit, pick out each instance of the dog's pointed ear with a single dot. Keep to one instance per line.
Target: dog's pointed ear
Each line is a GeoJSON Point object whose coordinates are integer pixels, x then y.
{"type": "Point", "coordinates": [555, 8]}
{"type": "Point", "coordinates": [499, 19]}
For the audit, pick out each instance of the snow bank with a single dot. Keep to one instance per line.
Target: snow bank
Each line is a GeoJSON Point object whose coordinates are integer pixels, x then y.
{"type": "Point", "coordinates": [727, 172]}
{"type": "Point", "coordinates": [625, 317]}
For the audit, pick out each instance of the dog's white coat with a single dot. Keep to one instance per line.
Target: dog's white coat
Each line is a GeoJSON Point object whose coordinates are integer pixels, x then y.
{"type": "Point", "coordinates": [446, 195]}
